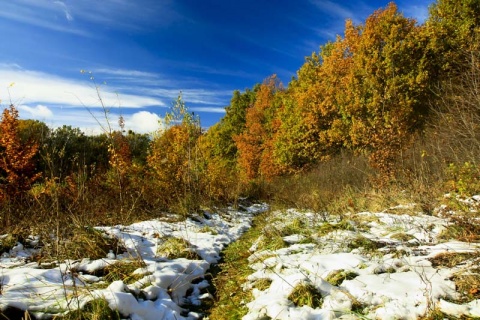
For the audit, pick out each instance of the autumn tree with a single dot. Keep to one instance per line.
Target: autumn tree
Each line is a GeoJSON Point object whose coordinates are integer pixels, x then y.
{"type": "Point", "coordinates": [256, 143]}
{"type": "Point", "coordinates": [120, 157]}
{"type": "Point", "coordinates": [382, 95]}
{"type": "Point", "coordinates": [174, 157]}
{"type": "Point", "coordinates": [453, 30]}
{"type": "Point", "coordinates": [16, 158]}
{"type": "Point", "coordinates": [310, 109]}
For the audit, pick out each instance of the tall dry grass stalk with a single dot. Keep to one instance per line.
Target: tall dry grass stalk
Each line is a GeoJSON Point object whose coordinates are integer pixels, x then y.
{"type": "Point", "coordinates": [456, 127]}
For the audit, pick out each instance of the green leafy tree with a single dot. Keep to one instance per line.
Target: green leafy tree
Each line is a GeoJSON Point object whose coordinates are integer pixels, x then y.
{"type": "Point", "coordinates": [63, 152]}
{"type": "Point", "coordinates": [139, 146]}
{"type": "Point", "coordinates": [33, 131]}
{"type": "Point", "coordinates": [232, 124]}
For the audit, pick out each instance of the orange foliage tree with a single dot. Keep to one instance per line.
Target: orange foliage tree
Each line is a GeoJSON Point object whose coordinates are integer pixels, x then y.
{"type": "Point", "coordinates": [120, 157]}
{"type": "Point", "coordinates": [16, 158]}
{"type": "Point", "coordinates": [374, 87]}
{"type": "Point", "coordinates": [367, 91]}
{"type": "Point", "coordinates": [256, 143]}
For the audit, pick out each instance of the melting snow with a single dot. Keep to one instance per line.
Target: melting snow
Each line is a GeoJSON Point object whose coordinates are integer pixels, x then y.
{"type": "Point", "coordinates": [395, 280]}
{"type": "Point", "coordinates": [165, 283]}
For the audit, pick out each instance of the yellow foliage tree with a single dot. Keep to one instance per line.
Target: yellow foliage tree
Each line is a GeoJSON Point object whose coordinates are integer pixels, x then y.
{"type": "Point", "coordinates": [174, 157]}
{"type": "Point", "coordinates": [382, 93]}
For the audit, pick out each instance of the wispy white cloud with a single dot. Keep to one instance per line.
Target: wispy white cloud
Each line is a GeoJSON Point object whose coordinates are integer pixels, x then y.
{"type": "Point", "coordinates": [156, 85]}
{"type": "Point", "coordinates": [333, 9]}
{"type": "Point", "coordinates": [125, 73]}
{"type": "Point", "coordinates": [64, 101]}
{"type": "Point", "coordinates": [196, 67]}
{"type": "Point", "coordinates": [62, 4]}
{"type": "Point", "coordinates": [42, 14]}
{"type": "Point", "coordinates": [194, 96]}
{"type": "Point", "coordinates": [117, 14]}
{"type": "Point", "coordinates": [38, 87]}
{"type": "Point", "coordinates": [209, 109]}
{"type": "Point", "coordinates": [127, 13]}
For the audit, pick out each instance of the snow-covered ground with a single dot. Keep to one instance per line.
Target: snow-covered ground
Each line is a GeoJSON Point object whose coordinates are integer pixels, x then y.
{"type": "Point", "coordinates": [385, 260]}
{"type": "Point", "coordinates": [163, 283]}
{"type": "Point", "coordinates": [368, 266]}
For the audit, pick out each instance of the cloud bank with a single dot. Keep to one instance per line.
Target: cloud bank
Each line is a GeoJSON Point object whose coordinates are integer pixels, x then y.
{"type": "Point", "coordinates": [59, 101]}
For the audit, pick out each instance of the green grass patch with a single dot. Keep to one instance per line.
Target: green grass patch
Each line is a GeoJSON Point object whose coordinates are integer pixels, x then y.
{"type": "Point", "coordinates": [367, 245]}
{"type": "Point", "coordinates": [296, 226]}
{"type": "Point", "coordinates": [96, 309]}
{"type": "Point", "coordinates": [337, 277]}
{"type": "Point", "coordinates": [262, 284]}
{"type": "Point", "coordinates": [275, 242]}
{"type": "Point", "coordinates": [328, 227]}
{"type": "Point", "coordinates": [230, 298]}
{"type": "Point", "coordinates": [306, 294]}
{"type": "Point", "coordinates": [208, 229]}
{"type": "Point", "coordinates": [402, 236]}
{"type": "Point", "coordinates": [123, 271]}
{"type": "Point", "coordinates": [174, 248]}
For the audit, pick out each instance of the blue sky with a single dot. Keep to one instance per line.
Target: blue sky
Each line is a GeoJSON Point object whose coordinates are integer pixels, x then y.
{"type": "Point", "coordinates": [142, 53]}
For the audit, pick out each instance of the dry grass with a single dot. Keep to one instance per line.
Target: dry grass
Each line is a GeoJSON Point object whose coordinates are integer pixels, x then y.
{"type": "Point", "coordinates": [467, 282]}
{"type": "Point", "coordinates": [7, 242]}
{"type": "Point", "coordinates": [123, 271]}
{"type": "Point", "coordinates": [365, 244]}
{"type": "Point", "coordinates": [451, 259]}
{"type": "Point", "coordinates": [80, 242]}
{"type": "Point", "coordinates": [328, 227]}
{"type": "Point", "coordinates": [402, 236]}
{"type": "Point", "coordinates": [468, 285]}
{"type": "Point", "coordinates": [463, 228]}
{"type": "Point", "coordinates": [318, 188]}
